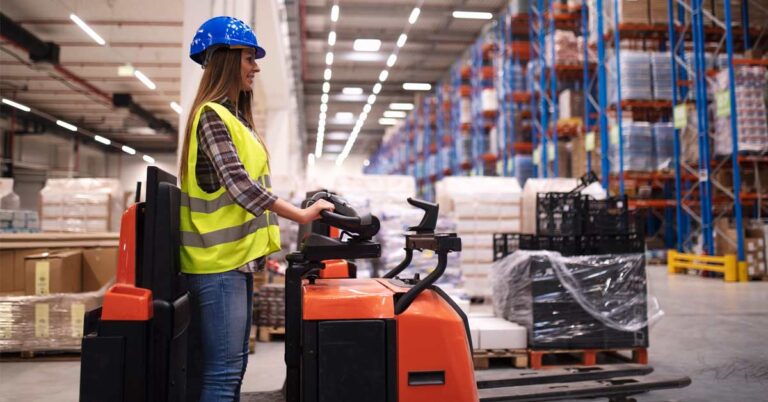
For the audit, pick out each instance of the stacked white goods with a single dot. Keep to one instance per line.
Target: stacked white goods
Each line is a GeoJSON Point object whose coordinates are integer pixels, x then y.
{"type": "Point", "coordinates": [752, 119]}
{"type": "Point", "coordinates": [480, 207]}
{"type": "Point", "coordinates": [638, 148]}
{"type": "Point", "coordinates": [81, 205]}
{"type": "Point", "coordinates": [490, 332]}
{"type": "Point", "coordinates": [566, 48]}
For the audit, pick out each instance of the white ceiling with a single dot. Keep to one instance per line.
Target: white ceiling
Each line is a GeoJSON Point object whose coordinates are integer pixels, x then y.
{"type": "Point", "coordinates": [147, 34]}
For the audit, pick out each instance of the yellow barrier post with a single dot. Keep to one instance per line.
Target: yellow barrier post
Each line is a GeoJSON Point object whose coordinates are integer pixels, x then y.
{"type": "Point", "coordinates": [742, 270]}
{"type": "Point", "coordinates": [730, 268]}
{"type": "Point", "coordinates": [671, 255]}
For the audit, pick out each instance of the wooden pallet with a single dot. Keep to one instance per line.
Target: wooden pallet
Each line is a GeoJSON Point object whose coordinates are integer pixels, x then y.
{"type": "Point", "coordinates": [517, 358]}
{"type": "Point", "coordinates": [252, 340]}
{"type": "Point", "coordinates": [47, 355]}
{"type": "Point", "coordinates": [267, 334]}
{"type": "Point", "coordinates": [588, 357]}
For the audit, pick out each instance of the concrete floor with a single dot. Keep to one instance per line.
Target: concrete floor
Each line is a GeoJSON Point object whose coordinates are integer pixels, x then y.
{"type": "Point", "coordinates": [714, 332]}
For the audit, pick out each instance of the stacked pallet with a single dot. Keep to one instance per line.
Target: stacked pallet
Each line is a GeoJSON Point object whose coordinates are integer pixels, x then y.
{"type": "Point", "coordinates": [479, 207]}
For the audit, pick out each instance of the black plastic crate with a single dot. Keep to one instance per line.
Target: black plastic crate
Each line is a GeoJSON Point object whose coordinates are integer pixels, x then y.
{"type": "Point", "coordinates": [615, 244]}
{"type": "Point", "coordinates": [560, 214]}
{"type": "Point", "coordinates": [505, 244]}
{"type": "Point", "coordinates": [608, 216]}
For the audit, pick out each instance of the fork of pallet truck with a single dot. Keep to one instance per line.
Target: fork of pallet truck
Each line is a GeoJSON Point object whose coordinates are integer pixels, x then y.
{"type": "Point", "coordinates": [403, 339]}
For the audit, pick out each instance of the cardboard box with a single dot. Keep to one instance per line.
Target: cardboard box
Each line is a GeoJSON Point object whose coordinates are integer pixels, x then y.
{"type": "Point", "coordinates": [99, 267]}
{"type": "Point", "coordinates": [6, 271]}
{"type": "Point", "coordinates": [571, 104]}
{"type": "Point", "coordinates": [19, 274]}
{"type": "Point", "coordinates": [55, 272]}
{"type": "Point", "coordinates": [658, 11]}
{"type": "Point", "coordinates": [630, 11]}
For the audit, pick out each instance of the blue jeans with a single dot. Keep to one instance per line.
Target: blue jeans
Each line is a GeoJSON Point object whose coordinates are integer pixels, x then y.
{"type": "Point", "coordinates": [222, 306]}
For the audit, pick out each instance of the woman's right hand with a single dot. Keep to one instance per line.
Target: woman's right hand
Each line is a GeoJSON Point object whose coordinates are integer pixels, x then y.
{"type": "Point", "coordinates": [312, 212]}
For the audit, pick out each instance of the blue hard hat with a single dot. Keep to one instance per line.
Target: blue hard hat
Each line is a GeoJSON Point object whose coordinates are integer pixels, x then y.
{"type": "Point", "coordinates": [223, 31]}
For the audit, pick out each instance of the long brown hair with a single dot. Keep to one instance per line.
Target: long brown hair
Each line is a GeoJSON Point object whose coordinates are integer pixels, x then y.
{"type": "Point", "coordinates": [221, 73]}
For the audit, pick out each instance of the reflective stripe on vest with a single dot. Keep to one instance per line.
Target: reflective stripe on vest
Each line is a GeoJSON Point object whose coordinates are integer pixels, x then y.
{"type": "Point", "coordinates": [210, 206]}
{"type": "Point", "coordinates": [217, 234]}
{"type": "Point", "coordinates": [210, 239]}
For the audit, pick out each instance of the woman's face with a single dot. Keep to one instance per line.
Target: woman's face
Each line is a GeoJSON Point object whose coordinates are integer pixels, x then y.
{"type": "Point", "coordinates": [248, 68]}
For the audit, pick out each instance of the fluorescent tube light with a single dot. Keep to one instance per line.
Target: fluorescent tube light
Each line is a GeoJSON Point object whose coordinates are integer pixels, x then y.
{"type": "Point", "coordinates": [128, 150]}
{"type": "Point", "coordinates": [16, 105]}
{"type": "Point", "coordinates": [105, 141]}
{"type": "Point", "coordinates": [352, 91]}
{"type": "Point", "coordinates": [416, 86]}
{"type": "Point", "coordinates": [401, 106]}
{"type": "Point", "coordinates": [98, 39]}
{"type": "Point", "coordinates": [176, 107]}
{"type": "Point", "coordinates": [366, 45]}
{"type": "Point", "coordinates": [144, 79]}
{"type": "Point", "coordinates": [66, 125]}
{"type": "Point", "coordinates": [472, 15]}
{"type": "Point", "coordinates": [413, 18]}
{"type": "Point", "coordinates": [401, 40]}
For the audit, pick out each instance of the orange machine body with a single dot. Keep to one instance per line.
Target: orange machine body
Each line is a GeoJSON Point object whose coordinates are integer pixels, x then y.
{"type": "Point", "coordinates": [430, 334]}
{"type": "Point", "coordinates": [335, 269]}
{"type": "Point", "coordinates": [123, 301]}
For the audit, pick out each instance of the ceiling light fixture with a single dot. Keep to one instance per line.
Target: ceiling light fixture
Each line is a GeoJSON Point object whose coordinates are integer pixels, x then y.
{"type": "Point", "coordinates": [352, 91]}
{"type": "Point", "coordinates": [329, 58]}
{"type": "Point", "coordinates": [391, 60]}
{"type": "Point", "coordinates": [366, 45]}
{"type": "Point", "coordinates": [144, 79]}
{"type": "Point", "coordinates": [327, 74]}
{"type": "Point", "coordinates": [472, 15]}
{"type": "Point", "coordinates": [345, 116]}
{"type": "Point", "coordinates": [377, 88]}
{"type": "Point", "coordinates": [128, 150]}
{"type": "Point", "coordinates": [324, 98]}
{"type": "Point", "coordinates": [98, 39]}
{"type": "Point", "coordinates": [148, 159]}
{"type": "Point", "coordinates": [366, 163]}
{"type": "Point", "coordinates": [371, 99]}
{"type": "Point", "coordinates": [176, 107]}
{"type": "Point", "coordinates": [367, 108]}
{"type": "Point", "coordinates": [332, 38]}
{"type": "Point", "coordinates": [401, 106]}
{"type": "Point", "coordinates": [335, 13]}
{"type": "Point", "coordinates": [401, 40]}
{"type": "Point", "coordinates": [326, 87]}
{"type": "Point", "coordinates": [17, 105]}
{"type": "Point", "coordinates": [66, 125]}
{"type": "Point", "coordinates": [416, 86]}
{"type": "Point", "coordinates": [413, 17]}
{"type": "Point", "coordinates": [388, 121]}
{"type": "Point", "coordinates": [105, 141]}
{"type": "Point", "coordinates": [324, 107]}
{"type": "Point", "coordinates": [395, 114]}
{"type": "Point", "coordinates": [311, 159]}
{"type": "Point", "coordinates": [384, 75]}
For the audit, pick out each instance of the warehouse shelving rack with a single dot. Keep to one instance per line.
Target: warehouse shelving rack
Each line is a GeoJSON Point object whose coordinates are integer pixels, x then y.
{"type": "Point", "coordinates": [712, 198]}
{"type": "Point", "coordinates": [542, 23]}
{"type": "Point", "coordinates": [513, 52]}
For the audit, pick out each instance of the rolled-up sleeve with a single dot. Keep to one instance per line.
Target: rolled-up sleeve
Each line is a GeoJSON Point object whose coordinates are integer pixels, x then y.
{"type": "Point", "coordinates": [216, 143]}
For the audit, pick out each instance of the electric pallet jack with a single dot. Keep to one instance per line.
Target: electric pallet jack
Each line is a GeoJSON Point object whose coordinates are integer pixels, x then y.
{"type": "Point", "coordinates": [347, 338]}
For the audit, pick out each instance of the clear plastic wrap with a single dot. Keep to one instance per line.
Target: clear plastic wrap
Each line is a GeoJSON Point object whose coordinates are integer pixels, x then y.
{"type": "Point", "coordinates": [575, 302]}
{"type": "Point", "coordinates": [45, 323]}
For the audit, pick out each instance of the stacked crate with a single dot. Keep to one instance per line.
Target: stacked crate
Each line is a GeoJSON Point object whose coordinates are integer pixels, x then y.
{"type": "Point", "coordinates": [270, 306]}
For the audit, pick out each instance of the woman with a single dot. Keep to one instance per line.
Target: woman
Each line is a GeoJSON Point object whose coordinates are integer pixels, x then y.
{"type": "Point", "coordinates": [228, 222]}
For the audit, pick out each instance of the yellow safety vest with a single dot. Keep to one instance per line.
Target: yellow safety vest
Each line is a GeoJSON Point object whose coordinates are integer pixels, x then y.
{"type": "Point", "coordinates": [217, 234]}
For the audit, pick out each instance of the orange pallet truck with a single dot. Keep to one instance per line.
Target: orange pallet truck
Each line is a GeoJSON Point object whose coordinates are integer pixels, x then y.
{"type": "Point", "coordinates": [403, 339]}
{"type": "Point", "coordinates": [135, 346]}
